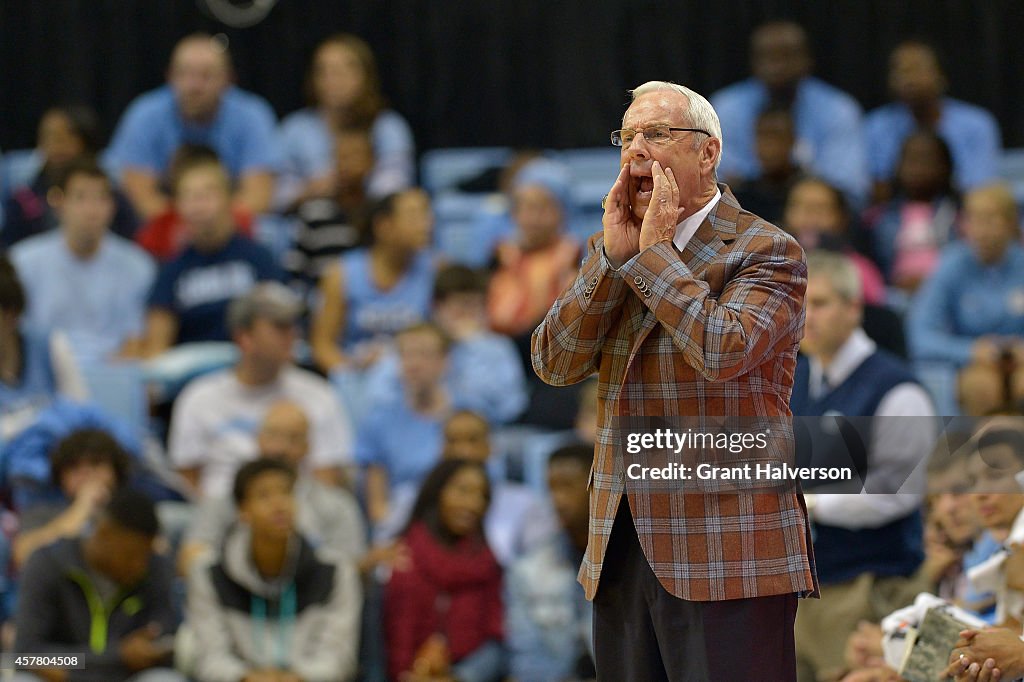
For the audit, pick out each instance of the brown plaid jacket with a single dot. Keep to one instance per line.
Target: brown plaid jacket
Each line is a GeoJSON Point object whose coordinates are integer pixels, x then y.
{"type": "Point", "coordinates": [709, 331]}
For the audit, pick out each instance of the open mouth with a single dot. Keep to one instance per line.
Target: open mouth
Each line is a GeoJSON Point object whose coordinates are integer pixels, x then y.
{"type": "Point", "coordinates": [644, 187]}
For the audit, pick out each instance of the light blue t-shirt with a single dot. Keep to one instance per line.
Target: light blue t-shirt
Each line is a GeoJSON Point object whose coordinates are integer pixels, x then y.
{"type": "Point", "coordinates": [243, 133]}
{"type": "Point", "coordinates": [829, 132]}
{"type": "Point", "coordinates": [308, 149]}
{"type": "Point", "coordinates": [405, 443]}
{"type": "Point", "coordinates": [963, 300]}
{"type": "Point", "coordinates": [970, 131]}
{"type": "Point", "coordinates": [485, 374]}
{"type": "Point", "coordinates": [373, 313]}
{"type": "Point", "coordinates": [99, 303]}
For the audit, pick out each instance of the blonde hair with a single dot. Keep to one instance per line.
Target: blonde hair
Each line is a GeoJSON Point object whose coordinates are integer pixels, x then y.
{"type": "Point", "coordinates": [999, 193]}
{"type": "Point", "coordinates": [840, 271]}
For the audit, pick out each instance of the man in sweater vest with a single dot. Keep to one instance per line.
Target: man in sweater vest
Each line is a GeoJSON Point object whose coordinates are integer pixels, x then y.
{"type": "Point", "coordinates": [867, 547]}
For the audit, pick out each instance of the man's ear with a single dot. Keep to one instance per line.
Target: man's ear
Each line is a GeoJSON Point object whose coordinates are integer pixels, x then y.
{"type": "Point", "coordinates": [711, 151]}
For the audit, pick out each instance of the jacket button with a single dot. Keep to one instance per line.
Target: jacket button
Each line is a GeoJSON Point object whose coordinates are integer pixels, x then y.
{"type": "Point", "coordinates": [638, 280]}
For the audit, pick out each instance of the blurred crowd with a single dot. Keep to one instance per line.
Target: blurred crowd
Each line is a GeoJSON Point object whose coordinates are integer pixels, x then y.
{"type": "Point", "coordinates": [257, 424]}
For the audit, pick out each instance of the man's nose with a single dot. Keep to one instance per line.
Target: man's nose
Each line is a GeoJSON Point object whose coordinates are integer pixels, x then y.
{"type": "Point", "coordinates": [638, 148]}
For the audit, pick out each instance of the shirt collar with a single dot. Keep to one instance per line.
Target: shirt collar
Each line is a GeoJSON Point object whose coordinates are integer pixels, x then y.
{"type": "Point", "coordinates": [688, 227]}
{"type": "Point", "coordinates": [851, 354]}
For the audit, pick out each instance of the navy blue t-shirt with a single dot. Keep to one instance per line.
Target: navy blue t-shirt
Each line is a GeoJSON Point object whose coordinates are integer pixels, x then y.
{"type": "Point", "coordinates": [197, 287]}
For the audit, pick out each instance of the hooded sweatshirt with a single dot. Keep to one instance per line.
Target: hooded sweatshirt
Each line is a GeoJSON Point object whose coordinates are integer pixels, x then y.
{"type": "Point", "coordinates": [66, 608]}
{"type": "Point", "coordinates": [305, 621]}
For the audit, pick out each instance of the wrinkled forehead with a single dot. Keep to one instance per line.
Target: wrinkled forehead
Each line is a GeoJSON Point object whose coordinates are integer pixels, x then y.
{"type": "Point", "coordinates": [660, 106]}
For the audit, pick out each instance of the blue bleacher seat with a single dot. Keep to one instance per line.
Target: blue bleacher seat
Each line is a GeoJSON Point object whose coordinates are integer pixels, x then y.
{"type": "Point", "coordinates": [1011, 169]}
{"type": "Point", "coordinates": [443, 169]}
{"type": "Point", "coordinates": [593, 170]}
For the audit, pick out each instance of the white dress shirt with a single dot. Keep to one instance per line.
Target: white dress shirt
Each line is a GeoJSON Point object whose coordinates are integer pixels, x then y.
{"type": "Point", "coordinates": [688, 227]}
{"type": "Point", "coordinates": [894, 450]}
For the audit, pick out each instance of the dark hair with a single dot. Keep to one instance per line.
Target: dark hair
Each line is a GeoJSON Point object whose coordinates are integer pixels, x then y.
{"type": "Point", "coordinates": [250, 471]}
{"type": "Point", "coordinates": [580, 453]}
{"type": "Point", "coordinates": [428, 502]}
{"type": "Point", "coordinates": [94, 446]}
{"type": "Point", "coordinates": [431, 328]}
{"type": "Point", "coordinates": [83, 165]}
{"type": "Point", "coordinates": [187, 158]}
{"type": "Point", "coordinates": [370, 102]}
{"type": "Point", "coordinates": [12, 294]}
{"type": "Point", "coordinates": [133, 511]}
{"type": "Point", "coordinates": [85, 124]}
{"type": "Point", "coordinates": [385, 206]}
{"type": "Point", "coordinates": [458, 279]}
{"type": "Point", "coordinates": [1003, 435]}
{"type": "Point", "coordinates": [944, 152]}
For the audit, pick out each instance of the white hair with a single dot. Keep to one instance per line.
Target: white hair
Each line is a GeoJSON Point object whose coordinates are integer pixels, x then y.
{"type": "Point", "coordinates": [699, 112]}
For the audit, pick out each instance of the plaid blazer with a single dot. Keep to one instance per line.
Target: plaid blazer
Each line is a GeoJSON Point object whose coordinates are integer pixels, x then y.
{"type": "Point", "coordinates": [709, 331]}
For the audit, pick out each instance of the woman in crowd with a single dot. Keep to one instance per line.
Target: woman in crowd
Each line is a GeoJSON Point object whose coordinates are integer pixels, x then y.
{"type": "Point", "coordinates": [818, 215]}
{"type": "Point", "coordinates": [442, 610]}
{"type": "Point", "coordinates": [372, 293]}
{"type": "Point", "coordinates": [65, 133]}
{"type": "Point", "coordinates": [908, 232]}
{"type": "Point", "coordinates": [344, 91]}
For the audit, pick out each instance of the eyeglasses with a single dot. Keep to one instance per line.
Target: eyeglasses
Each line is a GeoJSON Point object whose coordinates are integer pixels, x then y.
{"type": "Point", "coordinates": [653, 134]}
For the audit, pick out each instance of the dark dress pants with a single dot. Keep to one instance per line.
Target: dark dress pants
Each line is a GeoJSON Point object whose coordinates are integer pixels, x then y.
{"type": "Point", "coordinates": [644, 634]}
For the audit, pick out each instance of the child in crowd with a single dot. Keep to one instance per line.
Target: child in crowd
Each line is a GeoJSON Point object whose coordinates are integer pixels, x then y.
{"type": "Point", "coordinates": [270, 607]}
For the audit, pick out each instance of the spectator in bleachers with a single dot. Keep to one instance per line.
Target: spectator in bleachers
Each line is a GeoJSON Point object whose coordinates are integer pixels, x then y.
{"type": "Point", "coordinates": [970, 312]}
{"type": "Point", "coordinates": [996, 458]}
{"type": "Point", "coordinates": [216, 418]}
{"type": "Point", "coordinates": [869, 543]}
{"type": "Point", "coordinates": [535, 264]}
{"type": "Point", "coordinates": [493, 221]}
{"type": "Point", "coordinates": [829, 126]}
{"type": "Point", "coordinates": [329, 225]}
{"type": "Point", "coordinates": [372, 293]}
{"type": "Point", "coordinates": [484, 368]}
{"type": "Point", "coordinates": [908, 232]}
{"type": "Point", "coordinates": [86, 467]}
{"type": "Point", "coordinates": [396, 457]}
{"type": "Point", "coordinates": [80, 279]}
{"type": "Point", "coordinates": [327, 516]}
{"type": "Point", "coordinates": [167, 235]}
{"type": "Point", "coordinates": [270, 607]}
{"type": "Point", "coordinates": [344, 92]}
{"type": "Point", "coordinates": [66, 133]}
{"type": "Point", "coordinates": [517, 520]}
{"type": "Point", "coordinates": [918, 85]}
{"type": "Point", "coordinates": [548, 618]}
{"type": "Point", "coordinates": [442, 609]}
{"type": "Point", "coordinates": [774, 142]}
{"type": "Point", "coordinates": [819, 216]}
{"type": "Point", "coordinates": [34, 367]}
{"type": "Point", "coordinates": [192, 292]}
{"type": "Point", "coordinates": [198, 105]}
{"type": "Point", "coordinates": [106, 597]}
